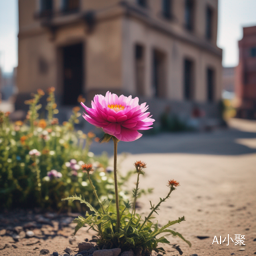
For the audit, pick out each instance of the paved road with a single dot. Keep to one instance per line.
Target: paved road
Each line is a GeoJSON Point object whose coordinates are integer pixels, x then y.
{"type": "Point", "coordinates": [231, 141]}
{"type": "Point", "coordinates": [217, 173]}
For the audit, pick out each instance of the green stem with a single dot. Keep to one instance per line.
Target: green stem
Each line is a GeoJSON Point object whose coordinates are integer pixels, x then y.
{"type": "Point", "coordinates": [156, 207]}
{"type": "Point", "coordinates": [95, 193]}
{"type": "Point", "coordinates": [116, 187]}
{"type": "Point", "coordinates": [136, 193]}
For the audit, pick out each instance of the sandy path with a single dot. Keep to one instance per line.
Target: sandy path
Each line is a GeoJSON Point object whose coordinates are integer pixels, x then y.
{"type": "Point", "coordinates": [217, 192]}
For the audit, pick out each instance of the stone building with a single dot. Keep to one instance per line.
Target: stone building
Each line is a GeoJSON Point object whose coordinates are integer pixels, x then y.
{"type": "Point", "coordinates": [246, 74]}
{"type": "Point", "coordinates": [161, 50]}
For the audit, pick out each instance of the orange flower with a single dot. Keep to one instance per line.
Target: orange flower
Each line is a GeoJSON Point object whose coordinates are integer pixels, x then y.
{"type": "Point", "coordinates": [173, 183]}
{"type": "Point", "coordinates": [54, 105]}
{"type": "Point", "coordinates": [54, 121]}
{"type": "Point", "coordinates": [65, 123]}
{"type": "Point", "coordinates": [49, 130]}
{"type": "Point", "coordinates": [97, 139]}
{"type": "Point", "coordinates": [86, 167]}
{"type": "Point", "coordinates": [91, 135]}
{"type": "Point", "coordinates": [7, 114]}
{"type": "Point", "coordinates": [23, 139]}
{"type": "Point", "coordinates": [140, 164]}
{"type": "Point", "coordinates": [40, 92]}
{"type": "Point", "coordinates": [35, 122]}
{"type": "Point", "coordinates": [76, 109]}
{"type": "Point", "coordinates": [51, 90]}
{"type": "Point", "coordinates": [42, 123]}
{"type": "Point", "coordinates": [19, 123]}
{"type": "Point", "coordinates": [81, 99]}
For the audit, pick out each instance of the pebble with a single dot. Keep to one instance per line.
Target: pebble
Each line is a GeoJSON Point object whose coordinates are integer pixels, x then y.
{"type": "Point", "coordinates": [72, 239]}
{"type": "Point", "coordinates": [242, 249]}
{"type": "Point", "coordinates": [193, 255]}
{"type": "Point", "coordinates": [85, 246]}
{"type": "Point", "coordinates": [68, 250]}
{"type": "Point", "coordinates": [254, 239]}
{"type": "Point", "coordinates": [103, 253]}
{"type": "Point", "coordinates": [232, 253]}
{"type": "Point", "coordinates": [128, 253]}
{"type": "Point", "coordinates": [29, 233]}
{"type": "Point", "coordinates": [16, 238]}
{"type": "Point", "coordinates": [30, 225]}
{"type": "Point", "coordinates": [55, 254]}
{"type": "Point", "coordinates": [18, 229]}
{"type": "Point", "coordinates": [44, 251]}
{"type": "Point", "coordinates": [116, 251]}
{"type": "Point", "coordinates": [14, 246]}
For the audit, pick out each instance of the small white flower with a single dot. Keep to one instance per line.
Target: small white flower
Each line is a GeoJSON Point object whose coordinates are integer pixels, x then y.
{"type": "Point", "coordinates": [61, 141]}
{"type": "Point", "coordinates": [84, 183]}
{"type": "Point", "coordinates": [39, 129]}
{"type": "Point", "coordinates": [45, 133]}
{"type": "Point", "coordinates": [104, 178]}
{"type": "Point", "coordinates": [80, 163]}
{"type": "Point", "coordinates": [9, 160]}
{"type": "Point", "coordinates": [67, 164]}
{"type": "Point", "coordinates": [53, 134]}
{"type": "Point", "coordinates": [102, 174]}
{"type": "Point", "coordinates": [80, 174]}
{"type": "Point", "coordinates": [76, 167]}
{"type": "Point", "coordinates": [90, 154]}
{"type": "Point", "coordinates": [52, 153]}
{"type": "Point", "coordinates": [46, 178]}
{"type": "Point", "coordinates": [34, 152]}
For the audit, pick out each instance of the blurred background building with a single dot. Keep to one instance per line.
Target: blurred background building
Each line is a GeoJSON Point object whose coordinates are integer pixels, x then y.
{"type": "Point", "coordinates": [161, 50]}
{"type": "Point", "coordinates": [246, 74]}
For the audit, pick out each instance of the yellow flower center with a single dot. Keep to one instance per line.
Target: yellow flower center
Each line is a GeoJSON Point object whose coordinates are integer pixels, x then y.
{"type": "Point", "coordinates": [117, 108]}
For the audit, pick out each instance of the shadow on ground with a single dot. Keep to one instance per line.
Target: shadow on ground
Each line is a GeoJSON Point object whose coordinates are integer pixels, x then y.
{"type": "Point", "coordinates": [220, 142]}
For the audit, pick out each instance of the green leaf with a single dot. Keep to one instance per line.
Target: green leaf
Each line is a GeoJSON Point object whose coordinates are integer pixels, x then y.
{"type": "Point", "coordinates": [174, 233]}
{"type": "Point", "coordinates": [82, 201]}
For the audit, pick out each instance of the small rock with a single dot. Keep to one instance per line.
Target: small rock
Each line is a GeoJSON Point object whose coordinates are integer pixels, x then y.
{"type": "Point", "coordinates": [193, 255]}
{"type": "Point", "coordinates": [44, 251]}
{"type": "Point", "coordinates": [66, 254]}
{"type": "Point", "coordinates": [2, 232]}
{"type": "Point", "coordinates": [255, 253]}
{"type": "Point", "coordinates": [43, 220]}
{"type": "Point", "coordinates": [36, 248]}
{"type": "Point", "coordinates": [232, 253]}
{"type": "Point", "coordinates": [68, 250]}
{"type": "Point", "coordinates": [30, 225]}
{"type": "Point", "coordinates": [50, 215]}
{"type": "Point", "coordinates": [22, 234]}
{"type": "Point", "coordinates": [116, 251]}
{"type": "Point", "coordinates": [86, 239]}
{"type": "Point", "coordinates": [103, 253]}
{"type": "Point", "coordinates": [242, 249]}
{"type": "Point", "coordinates": [29, 233]}
{"type": "Point", "coordinates": [55, 254]}
{"type": "Point", "coordinates": [16, 238]}
{"type": "Point", "coordinates": [254, 239]}
{"type": "Point", "coordinates": [72, 239]}
{"type": "Point", "coordinates": [18, 229]}
{"type": "Point", "coordinates": [14, 246]}
{"type": "Point", "coordinates": [202, 237]}
{"type": "Point", "coordinates": [85, 246]}
{"type": "Point", "coordinates": [128, 253]}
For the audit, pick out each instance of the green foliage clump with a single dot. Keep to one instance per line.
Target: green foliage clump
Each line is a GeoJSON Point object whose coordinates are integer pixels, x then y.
{"type": "Point", "coordinates": [121, 227]}
{"type": "Point", "coordinates": [25, 180]}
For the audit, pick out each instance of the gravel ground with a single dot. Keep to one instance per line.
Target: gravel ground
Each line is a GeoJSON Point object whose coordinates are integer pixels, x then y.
{"type": "Point", "coordinates": [217, 190]}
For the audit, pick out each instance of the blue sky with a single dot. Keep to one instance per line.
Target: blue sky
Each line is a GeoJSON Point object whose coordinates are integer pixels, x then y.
{"type": "Point", "coordinates": [233, 15]}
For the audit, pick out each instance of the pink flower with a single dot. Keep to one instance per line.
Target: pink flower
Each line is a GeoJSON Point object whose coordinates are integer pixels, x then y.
{"type": "Point", "coordinates": [121, 117]}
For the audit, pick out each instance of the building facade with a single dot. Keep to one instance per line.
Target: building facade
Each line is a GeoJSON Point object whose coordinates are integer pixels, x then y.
{"type": "Point", "coordinates": [246, 74]}
{"type": "Point", "coordinates": [161, 50]}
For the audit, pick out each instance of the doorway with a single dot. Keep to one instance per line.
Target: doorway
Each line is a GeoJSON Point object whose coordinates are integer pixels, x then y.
{"type": "Point", "coordinates": [73, 67]}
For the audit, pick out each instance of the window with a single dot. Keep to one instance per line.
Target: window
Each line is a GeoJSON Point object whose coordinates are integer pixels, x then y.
{"type": "Point", "coordinates": [166, 8]}
{"type": "Point", "coordinates": [189, 15]}
{"type": "Point", "coordinates": [209, 18]}
{"type": "Point", "coordinates": [253, 52]}
{"type": "Point", "coordinates": [46, 7]}
{"type": "Point", "coordinates": [70, 5]}
{"type": "Point", "coordinates": [139, 69]}
{"type": "Point", "coordinates": [210, 84]}
{"type": "Point", "coordinates": [188, 80]}
{"type": "Point", "coordinates": [142, 3]}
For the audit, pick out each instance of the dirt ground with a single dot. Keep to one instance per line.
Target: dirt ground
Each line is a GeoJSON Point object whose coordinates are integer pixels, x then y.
{"type": "Point", "coordinates": [217, 194]}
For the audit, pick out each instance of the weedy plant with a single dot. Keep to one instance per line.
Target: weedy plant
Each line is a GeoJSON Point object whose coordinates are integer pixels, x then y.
{"type": "Point", "coordinates": [116, 221]}
{"type": "Point", "coordinates": [40, 160]}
